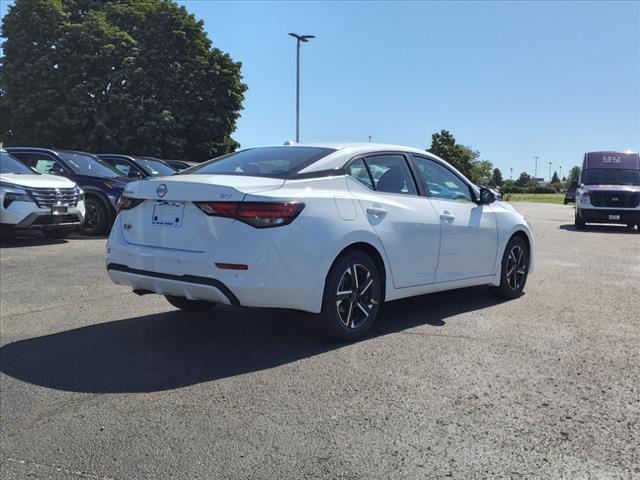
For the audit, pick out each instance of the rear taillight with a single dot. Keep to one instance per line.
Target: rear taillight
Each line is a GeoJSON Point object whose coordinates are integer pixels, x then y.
{"type": "Point", "coordinates": [127, 203]}
{"type": "Point", "coordinates": [256, 214]}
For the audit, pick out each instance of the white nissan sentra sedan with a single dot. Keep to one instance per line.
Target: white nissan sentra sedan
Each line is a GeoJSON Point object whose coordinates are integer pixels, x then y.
{"type": "Point", "coordinates": [329, 229]}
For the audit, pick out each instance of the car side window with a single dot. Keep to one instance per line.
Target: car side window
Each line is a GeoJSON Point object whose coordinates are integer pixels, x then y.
{"type": "Point", "coordinates": [122, 166]}
{"type": "Point", "coordinates": [391, 174]}
{"type": "Point", "coordinates": [44, 163]}
{"type": "Point", "coordinates": [358, 170]}
{"type": "Point", "coordinates": [442, 182]}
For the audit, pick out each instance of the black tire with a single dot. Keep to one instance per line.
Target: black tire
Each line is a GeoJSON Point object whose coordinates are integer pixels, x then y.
{"type": "Point", "coordinates": [514, 268]}
{"type": "Point", "coordinates": [96, 218]}
{"type": "Point", "coordinates": [189, 305]}
{"type": "Point", "coordinates": [58, 233]}
{"type": "Point", "coordinates": [578, 221]}
{"type": "Point", "coordinates": [348, 316]}
{"type": "Point", "coordinates": [565, 202]}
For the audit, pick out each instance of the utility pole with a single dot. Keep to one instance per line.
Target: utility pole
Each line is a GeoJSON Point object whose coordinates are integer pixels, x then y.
{"type": "Point", "coordinates": [369, 138]}
{"type": "Point", "coordinates": [511, 174]}
{"type": "Point", "coordinates": [535, 171]}
{"type": "Point", "coordinates": [299, 38]}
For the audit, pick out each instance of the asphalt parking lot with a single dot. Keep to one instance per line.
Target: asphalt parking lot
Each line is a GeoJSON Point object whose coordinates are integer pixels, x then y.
{"type": "Point", "coordinates": [99, 383]}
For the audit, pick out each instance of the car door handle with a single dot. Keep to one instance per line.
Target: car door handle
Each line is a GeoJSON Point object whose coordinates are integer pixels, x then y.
{"type": "Point", "coordinates": [376, 211]}
{"type": "Point", "coordinates": [447, 217]}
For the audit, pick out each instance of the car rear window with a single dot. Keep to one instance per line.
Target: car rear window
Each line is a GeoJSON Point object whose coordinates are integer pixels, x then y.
{"type": "Point", "coordinates": [277, 162]}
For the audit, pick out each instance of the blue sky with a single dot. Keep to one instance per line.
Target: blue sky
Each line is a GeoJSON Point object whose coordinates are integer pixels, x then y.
{"type": "Point", "coordinates": [512, 80]}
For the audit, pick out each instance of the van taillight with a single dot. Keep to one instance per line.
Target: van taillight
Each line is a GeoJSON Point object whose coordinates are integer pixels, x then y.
{"type": "Point", "coordinates": [256, 214]}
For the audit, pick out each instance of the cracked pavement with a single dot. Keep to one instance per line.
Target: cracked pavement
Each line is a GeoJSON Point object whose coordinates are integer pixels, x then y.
{"type": "Point", "coordinates": [98, 383]}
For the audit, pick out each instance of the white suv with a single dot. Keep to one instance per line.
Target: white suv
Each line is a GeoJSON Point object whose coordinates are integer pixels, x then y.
{"type": "Point", "coordinates": [32, 201]}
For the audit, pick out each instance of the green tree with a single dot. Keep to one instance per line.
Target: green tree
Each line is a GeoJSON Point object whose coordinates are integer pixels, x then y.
{"type": "Point", "coordinates": [555, 178]}
{"type": "Point", "coordinates": [574, 174]}
{"type": "Point", "coordinates": [465, 159]}
{"type": "Point", "coordinates": [496, 177]}
{"type": "Point", "coordinates": [482, 172]}
{"type": "Point", "coordinates": [134, 76]}
{"type": "Point", "coordinates": [524, 180]}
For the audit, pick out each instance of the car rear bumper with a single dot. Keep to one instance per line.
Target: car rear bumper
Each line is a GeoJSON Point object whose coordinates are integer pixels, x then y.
{"type": "Point", "coordinates": [604, 215]}
{"type": "Point", "coordinates": [188, 286]}
{"type": "Point", "coordinates": [275, 276]}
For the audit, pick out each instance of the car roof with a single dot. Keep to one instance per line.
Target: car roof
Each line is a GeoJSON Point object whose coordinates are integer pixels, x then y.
{"type": "Point", "coordinates": [364, 146]}
{"type": "Point", "coordinates": [346, 151]}
{"type": "Point", "coordinates": [48, 150]}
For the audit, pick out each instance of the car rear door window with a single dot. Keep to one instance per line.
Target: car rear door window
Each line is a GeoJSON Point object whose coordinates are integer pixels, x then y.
{"type": "Point", "coordinates": [358, 170]}
{"type": "Point", "coordinates": [441, 182]}
{"type": "Point", "coordinates": [391, 174]}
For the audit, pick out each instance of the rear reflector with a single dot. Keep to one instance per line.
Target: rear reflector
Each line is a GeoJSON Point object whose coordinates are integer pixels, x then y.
{"type": "Point", "coordinates": [232, 266]}
{"type": "Point", "coordinates": [256, 214]}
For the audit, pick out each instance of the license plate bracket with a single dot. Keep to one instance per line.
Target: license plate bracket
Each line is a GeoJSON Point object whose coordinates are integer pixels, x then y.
{"type": "Point", "coordinates": [59, 209]}
{"type": "Point", "coordinates": [168, 214]}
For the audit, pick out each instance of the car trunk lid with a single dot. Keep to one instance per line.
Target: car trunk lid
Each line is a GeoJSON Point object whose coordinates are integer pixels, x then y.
{"type": "Point", "coordinates": [168, 218]}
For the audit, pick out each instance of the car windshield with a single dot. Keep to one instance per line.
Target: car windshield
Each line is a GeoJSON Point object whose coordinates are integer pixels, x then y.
{"type": "Point", "coordinates": [609, 176]}
{"type": "Point", "coordinates": [8, 164]}
{"type": "Point", "coordinates": [277, 162]}
{"type": "Point", "coordinates": [86, 164]}
{"type": "Point", "coordinates": [155, 167]}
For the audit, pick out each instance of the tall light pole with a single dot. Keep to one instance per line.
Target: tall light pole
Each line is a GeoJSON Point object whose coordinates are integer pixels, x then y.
{"type": "Point", "coordinates": [535, 172]}
{"type": "Point", "coordinates": [561, 172]}
{"type": "Point", "coordinates": [511, 173]}
{"type": "Point", "coordinates": [549, 172]}
{"type": "Point", "coordinates": [299, 39]}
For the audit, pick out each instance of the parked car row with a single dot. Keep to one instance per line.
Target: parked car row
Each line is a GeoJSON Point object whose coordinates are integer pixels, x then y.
{"type": "Point", "coordinates": [56, 191]}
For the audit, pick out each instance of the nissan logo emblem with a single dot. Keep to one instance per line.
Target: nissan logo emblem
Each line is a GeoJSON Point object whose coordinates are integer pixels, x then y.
{"type": "Point", "coordinates": [161, 190]}
{"type": "Point", "coordinates": [614, 199]}
{"type": "Point", "coordinates": [59, 195]}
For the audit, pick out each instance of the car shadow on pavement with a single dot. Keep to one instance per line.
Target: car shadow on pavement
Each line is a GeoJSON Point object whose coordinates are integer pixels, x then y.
{"type": "Point", "coordinates": [600, 229]}
{"type": "Point", "coordinates": [28, 241]}
{"type": "Point", "coordinates": [81, 236]}
{"type": "Point", "coordinates": [174, 349]}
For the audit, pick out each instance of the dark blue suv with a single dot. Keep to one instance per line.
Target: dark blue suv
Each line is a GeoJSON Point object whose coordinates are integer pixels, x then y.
{"type": "Point", "coordinates": [102, 184]}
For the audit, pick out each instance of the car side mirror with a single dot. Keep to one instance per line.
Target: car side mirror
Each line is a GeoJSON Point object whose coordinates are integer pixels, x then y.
{"type": "Point", "coordinates": [56, 170]}
{"type": "Point", "coordinates": [486, 196]}
{"type": "Point", "coordinates": [135, 174]}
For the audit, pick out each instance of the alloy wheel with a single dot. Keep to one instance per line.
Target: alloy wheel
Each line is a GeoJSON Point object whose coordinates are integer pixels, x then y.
{"type": "Point", "coordinates": [356, 296]}
{"type": "Point", "coordinates": [91, 216]}
{"type": "Point", "coordinates": [516, 267]}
